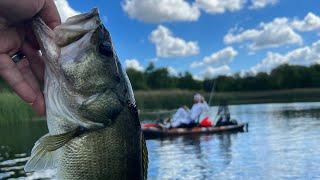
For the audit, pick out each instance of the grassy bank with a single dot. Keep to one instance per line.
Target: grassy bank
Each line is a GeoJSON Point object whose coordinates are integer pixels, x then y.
{"type": "Point", "coordinates": [171, 99]}
{"type": "Point", "coordinates": [13, 109]}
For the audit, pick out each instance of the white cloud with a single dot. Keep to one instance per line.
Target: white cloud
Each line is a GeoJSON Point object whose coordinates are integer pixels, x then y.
{"type": "Point", "coordinates": [222, 57]}
{"type": "Point", "coordinates": [134, 64]}
{"type": "Point", "coordinates": [159, 11]}
{"type": "Point", "coordinates": [196, 64]}
{"type": "Point", "coordinates": [267, 35]}
{"type": "Point", "coordinates": [258, 4]}
{"type": "Point", "coordinates": [156, 11]}
{"type": "Point", "coordinates": [302, 56]}
{"type": "Point", "coordinates": [310, 22]}
{"type": "Point", "coordinates": [270, 62]}
{"type": "Point", "coordinates": [153, 60]}
{"type": "Point", "coordinates": [197, 77]}
{"type": "Point", "coordinates": [211, 72]}
{"type": "Point", "coordinates": [220, 6]}
{"type": "Point", "coordinates": [169, 46]}
{"type": "Point", "coordinates": [172, 71]}
{"type": "Point", "coordinates": [65, 10]}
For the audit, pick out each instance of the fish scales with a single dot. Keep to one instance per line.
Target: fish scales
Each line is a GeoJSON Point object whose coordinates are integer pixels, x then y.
{"type": "Point", "coordinates": [94, 129]}
{"type": "Point", "coordinates": [85, 146]}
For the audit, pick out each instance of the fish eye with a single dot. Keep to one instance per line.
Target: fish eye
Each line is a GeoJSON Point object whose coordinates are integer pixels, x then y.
{"type": "Point", "coordinates": [106, 49]}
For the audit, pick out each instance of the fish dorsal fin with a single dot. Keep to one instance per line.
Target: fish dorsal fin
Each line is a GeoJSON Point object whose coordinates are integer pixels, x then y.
{"type": "Point", "coordinates": [44, 151]}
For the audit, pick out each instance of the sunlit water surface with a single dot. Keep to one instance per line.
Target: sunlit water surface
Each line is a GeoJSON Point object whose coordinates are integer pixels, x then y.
{"type": "Point", "coordinates": [282, 143]}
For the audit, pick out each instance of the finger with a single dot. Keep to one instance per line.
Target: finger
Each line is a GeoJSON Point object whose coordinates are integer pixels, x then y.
{"type": "Point", "coordinates": [30, 78]}
{"type": "Point", "coordinates": [11, 74]}
{"type": "Point", "coordinates": [35, 60]}
{"type": "Point", "coordinates": [39, 104]}
{"type": "Point", "coordinates": [50, 14]}
{"type": "Point", "coordinates": [24, 68]}
{"type": "Point", "coordinates": [10, 41]}
{"type": "Point", "coordinates": [18, 11]}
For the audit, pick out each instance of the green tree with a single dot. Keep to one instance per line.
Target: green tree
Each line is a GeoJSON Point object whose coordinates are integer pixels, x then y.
{"type": "Point", "coordinates": [186, 81]}
{"type": "Point", "coordinates": [150, 68]}
{"type": "Point", "coordinates": [137, 79]}
{"type": "Point", "coordinates": [160, 79]}
{"type": "Point", "coordinates": [315, 75]}
{"type": "Point", "coordinates": [283, 77]}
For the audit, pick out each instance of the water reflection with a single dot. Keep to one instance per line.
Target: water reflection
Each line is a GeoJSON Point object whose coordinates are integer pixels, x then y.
{"type": "Point", "coordinates": [191, 157]}
{"type": "Point", "coordinates": [16, 142]}
{"type": "Point", "coordinates": [312, 113]}
{"type": "Point", "coordinates": [282, 143]}
{"type": "Point", "coordinates": [225, 148]}
{"type": "Point", "coordinates": [277, 146]}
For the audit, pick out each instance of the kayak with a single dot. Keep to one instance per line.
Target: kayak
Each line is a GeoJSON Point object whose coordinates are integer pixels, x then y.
{"type": "Point", "coordinates": [151, 132]}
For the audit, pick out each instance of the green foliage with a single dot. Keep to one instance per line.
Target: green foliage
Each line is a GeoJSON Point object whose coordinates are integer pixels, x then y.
{"type": "Point", "coordinates": [290, 77]}
{"type": "Point", "coordinates": [163, 99]}
{"type": "Point", "coordinates": [3, 85]}
{"type": "Point", "coordinates": [282, 77]}
{"type": "Point", "coordinates": [139, 78]}
{"type": "Point", "coordinates": [186, 81]}
{"type": "Point", "coordinates": [13, 109]}
{"type": "Point", "coordinates": [151, 67]}
{"type": "Point", "coordinates": [160, 79]}
{"type": "Point", "coordinates": [172, 99]}
{"type": "Point", "coordinates": [315, 75]}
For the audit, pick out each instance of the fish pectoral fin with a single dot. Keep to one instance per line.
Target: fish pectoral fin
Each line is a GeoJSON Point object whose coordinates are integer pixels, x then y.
{"type": "Point", "coordinates": [44, 151]}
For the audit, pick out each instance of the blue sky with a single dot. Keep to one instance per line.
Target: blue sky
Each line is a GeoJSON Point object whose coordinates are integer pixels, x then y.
{"type": "Point", "coordinates": [209, 37]}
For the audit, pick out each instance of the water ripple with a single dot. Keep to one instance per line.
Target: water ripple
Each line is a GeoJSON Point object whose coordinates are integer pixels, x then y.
{"type": "Point", "coordinates": [282, 143]}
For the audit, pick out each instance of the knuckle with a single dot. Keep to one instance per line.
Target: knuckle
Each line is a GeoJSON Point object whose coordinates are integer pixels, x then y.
{"type": "Point", "coordinates": [37, 5]}
{"type": "Point", "coordinates": [23, 64]}
{"type": "Point", "coordinates": [5, 64]}
{"type": "Point", "coordinates": [10, 41]}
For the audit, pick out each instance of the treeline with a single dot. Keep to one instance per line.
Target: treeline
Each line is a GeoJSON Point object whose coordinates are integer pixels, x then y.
{"type": "Point", "coordinates": [160, 78]}
{"type": "Point", "coordinates": [282, 77]}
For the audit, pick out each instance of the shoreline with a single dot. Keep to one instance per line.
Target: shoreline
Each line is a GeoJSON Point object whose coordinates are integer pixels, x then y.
{"type": "Point", "coordinates": [171, 99]}
{"type": "Point", "coordinates": [13, 109]}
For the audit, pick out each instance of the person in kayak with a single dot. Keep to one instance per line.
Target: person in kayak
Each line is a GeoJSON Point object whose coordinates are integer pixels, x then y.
{"type": "Point", "coordinates": [186, 118]}
{"type": "Point", "coordinates": [223, 115]}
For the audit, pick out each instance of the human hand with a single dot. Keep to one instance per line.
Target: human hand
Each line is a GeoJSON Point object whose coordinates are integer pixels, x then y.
{"type": "Point", "coordinates": [16, 35]}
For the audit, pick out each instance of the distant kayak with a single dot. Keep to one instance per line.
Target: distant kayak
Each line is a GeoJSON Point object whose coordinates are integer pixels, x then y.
{"type": "Point", "coordinates": [152, 131]}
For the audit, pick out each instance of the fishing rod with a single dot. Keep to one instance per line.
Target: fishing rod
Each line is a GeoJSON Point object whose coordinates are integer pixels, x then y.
{"type": "Point", "coordinates": [212, 91]}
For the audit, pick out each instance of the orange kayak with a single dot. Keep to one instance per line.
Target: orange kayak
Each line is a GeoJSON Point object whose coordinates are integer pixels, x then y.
{"type": "Point", "coordinates": [151, 132]}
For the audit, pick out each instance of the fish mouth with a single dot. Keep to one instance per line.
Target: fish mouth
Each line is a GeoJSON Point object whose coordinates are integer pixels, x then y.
{"type": "Point", "coordinates": [85, 30]}
{"type": "Point", "coordinates": [103, 39]}
{"type": "Point", "coordinates": [77, 27]}
{"type": "Point", "coordinates": [76, 42]}
{"type": "Point", "coordinates": [73, 30]}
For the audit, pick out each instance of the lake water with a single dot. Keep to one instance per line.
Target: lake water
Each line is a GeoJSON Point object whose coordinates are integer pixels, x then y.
{"type": "Point", "coordinates": [282, 143]}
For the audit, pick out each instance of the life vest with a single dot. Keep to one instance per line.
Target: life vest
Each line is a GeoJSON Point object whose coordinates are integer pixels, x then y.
{"type": "Point", "coordinates": [150, 125]}
{"type": "Point", "coordinates": [206, 122]}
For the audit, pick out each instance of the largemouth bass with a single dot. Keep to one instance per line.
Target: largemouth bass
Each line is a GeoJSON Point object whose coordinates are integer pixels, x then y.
{"type": "Point", "coordinates": [94, 129]}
